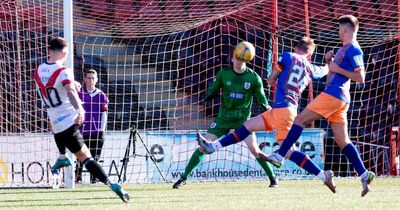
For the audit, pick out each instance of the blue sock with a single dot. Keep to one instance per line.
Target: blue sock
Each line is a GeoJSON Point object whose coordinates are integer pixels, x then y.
{"type": "Point", "coordinates": [352, 154]}
{"type": "Point", "coordinates": [293, 135]}
{"type": "Point", "coordinates": [235, 137]}
{"type": "Point", "coordinates": [305, 162]}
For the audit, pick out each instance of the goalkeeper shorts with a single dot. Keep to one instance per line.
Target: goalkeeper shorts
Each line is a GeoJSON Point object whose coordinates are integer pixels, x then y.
{"type": "Point", "coordinates": [221, 126]}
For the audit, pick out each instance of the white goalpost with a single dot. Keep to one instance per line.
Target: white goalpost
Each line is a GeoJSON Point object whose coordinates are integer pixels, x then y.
{"type": "Point", "coordinates": [69, 36]}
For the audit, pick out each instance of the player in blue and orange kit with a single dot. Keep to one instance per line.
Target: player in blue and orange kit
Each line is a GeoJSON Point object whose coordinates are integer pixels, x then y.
{"type": "Point", "coordinates": [333, 102]}
{"type": "Point", "coordinates": [293, 72]}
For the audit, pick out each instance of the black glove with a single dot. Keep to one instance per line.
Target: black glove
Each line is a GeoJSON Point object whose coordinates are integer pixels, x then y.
{"type": "Point", "coordinates": [265, 107]}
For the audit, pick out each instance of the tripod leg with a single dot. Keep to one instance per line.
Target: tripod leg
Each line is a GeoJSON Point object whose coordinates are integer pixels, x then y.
{"type": "Point", "coordinates": [151, 156]}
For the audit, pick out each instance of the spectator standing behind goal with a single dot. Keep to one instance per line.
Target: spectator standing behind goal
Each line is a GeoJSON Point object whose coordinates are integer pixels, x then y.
{"type": "Point", "coordinates": [57, 89]}
{"type": "Point", "coordinates": [95, 103]}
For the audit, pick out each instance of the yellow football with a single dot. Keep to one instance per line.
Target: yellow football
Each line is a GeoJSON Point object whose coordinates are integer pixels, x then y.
{"type": "Point", "coordinates": [244, 51]}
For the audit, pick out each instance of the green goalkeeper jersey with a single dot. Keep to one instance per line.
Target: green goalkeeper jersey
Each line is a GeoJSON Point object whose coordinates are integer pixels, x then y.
{"type": "Point", "coordinates": [237, 92]}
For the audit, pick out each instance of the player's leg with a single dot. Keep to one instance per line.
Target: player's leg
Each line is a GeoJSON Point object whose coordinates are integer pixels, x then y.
{"type": "Point", "coordinates": [342, 139]}
{"type": "Point", "coordinates": [62, 160]}
{"type": "Point", "coordinates": [301, 159]}
{"type": "Point", "coordinates": [217, 128]}
{"type": "Point", "coordinates": [95, 143]}
{"type": "Point", "coordinates": [304, 118]}
{"type": "Point", "coordinates": [282, 121]}
{"type": "Point", "coordinates": [75, 144]}
{"type": "Point", "coordinates": [79, 165]}
{"type": "Point", "coordinates": [321, 106]}
{"type": "Point", "coordinates": [252, 125]}
{"type": "Point", "coordinates": [97, 147]}
{"type": "Point", "coordinates": [84, 156]}
{"type": "Point", "coordinates": [195, 160]}
{"type": "Point", "coordinates": [252, 144]}
{"type": "Point", "coordinates": [305, 162]}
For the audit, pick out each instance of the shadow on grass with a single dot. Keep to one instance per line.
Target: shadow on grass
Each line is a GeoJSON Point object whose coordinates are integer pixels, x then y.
{"type": "Point", "coordinates": [18, 203]}
{"type": "Point", "coordinates": [58, 205]}
{"type": "Point", "coordinates": [50, 191]}
{"type": "Point", "coordinates": [58, 199]}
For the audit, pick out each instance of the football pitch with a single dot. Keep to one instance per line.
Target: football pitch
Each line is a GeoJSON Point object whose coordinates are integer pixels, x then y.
{"type": "Point", "coordinates": [291, 194]}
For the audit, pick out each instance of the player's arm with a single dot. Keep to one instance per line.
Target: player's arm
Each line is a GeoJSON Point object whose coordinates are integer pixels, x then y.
{"type": "Point", "coordinates": [320, 71]}
{"type": "Point", "coordinates": [67, 79]}
{"type": "Point", "coordinates": [260, 95]}
{"type": "Point", "coordinates": [74, 98]}
{"type": "Point", "coordinates": [278, 68]}
{"type": "Point", "coordinates": [103, 113]}
{"type": "Point", "coordinates": [78, 86]}
{"type": "Point", "coordinates": [357, 64]}
{"type": "Point", "coordinates": [357, 75]}
{"type": "Point", "coordinates": [103, 121]}
{"type": "Point", "coordinates": [329, 56]}
{"type": "Point", "coordinates": [271, 80]}
{"type": "Point", "coordinates": [215, 87]}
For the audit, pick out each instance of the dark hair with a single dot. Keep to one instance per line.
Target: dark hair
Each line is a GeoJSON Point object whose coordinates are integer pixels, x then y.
{"type": "Point", "coordinates": [57, 44]}
{"type": "Point", "coordinates": [305, 44]}
{"type": "Point", "coordinates": [349, 20]}
{"type": "Point", "coordinates": [91, 71]}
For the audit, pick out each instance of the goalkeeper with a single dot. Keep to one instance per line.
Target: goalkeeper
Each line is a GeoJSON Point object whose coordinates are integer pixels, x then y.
{"type": "Point", "coordinates": [239, 84]}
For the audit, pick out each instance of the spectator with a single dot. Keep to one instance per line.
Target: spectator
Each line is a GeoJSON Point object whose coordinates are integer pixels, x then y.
{"type": "Point", "coordinates": [95, 104]}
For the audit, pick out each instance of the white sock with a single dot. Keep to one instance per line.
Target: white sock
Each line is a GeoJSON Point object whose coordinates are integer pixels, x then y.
{"type": "Point", "coordinates": [364, 175]}
{"type": "Point", "coordinates": [62, 156]}
{"type": "Point", "coordinates": [321, 175]}
{"type": "Point", "coordinates": [216, 145]}
{"type": "Point", "coordinates": [278, 156]}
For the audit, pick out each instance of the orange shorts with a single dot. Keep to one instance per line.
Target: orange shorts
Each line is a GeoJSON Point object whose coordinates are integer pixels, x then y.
{"type": "Point", "coordinates": [330, 108]}
{"type": "Point", "coordinates": [280, 119]}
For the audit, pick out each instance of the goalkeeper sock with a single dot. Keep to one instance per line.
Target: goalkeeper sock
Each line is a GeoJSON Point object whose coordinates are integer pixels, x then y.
{"type": "Point", "coordinates": [196, 158]}
{"type": "Point", "coordinates": [291, 138]}
{"type": "Point", "coordinates": [354, 157]}
{"type": "Point", "coordinates": [235, 137]}
{"type": "Point", "coordinates": [267, 168]}
{"type": "Point", "coordinates": [305, 162]}
{"type": "Point", "coordinates": [96, 170]}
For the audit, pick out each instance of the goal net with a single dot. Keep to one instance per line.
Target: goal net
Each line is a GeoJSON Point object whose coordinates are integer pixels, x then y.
{"type": "Point", "coordinates": [155, 60]}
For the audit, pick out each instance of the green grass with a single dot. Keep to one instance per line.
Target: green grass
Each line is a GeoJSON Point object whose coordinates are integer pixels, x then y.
{"type": "Point", "coordinates": [291, 194]}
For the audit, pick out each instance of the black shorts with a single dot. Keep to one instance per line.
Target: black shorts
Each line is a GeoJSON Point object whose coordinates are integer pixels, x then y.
{"type": "Point", "coordinates": [70, 138]}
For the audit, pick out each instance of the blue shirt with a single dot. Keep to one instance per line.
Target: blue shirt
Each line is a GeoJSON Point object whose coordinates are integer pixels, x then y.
{"type": "Point", "coordinates": [350, 58]}
{"type": "Point", "coordinates": [296, 73]}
